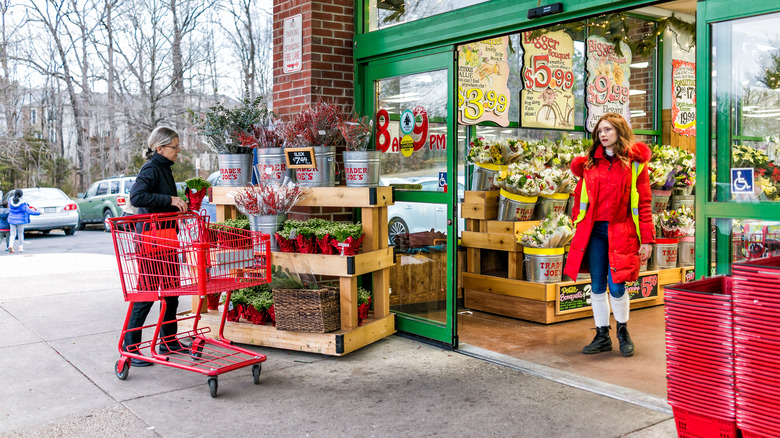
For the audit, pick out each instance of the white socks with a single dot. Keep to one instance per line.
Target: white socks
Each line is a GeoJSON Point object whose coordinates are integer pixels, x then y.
{"type": "Point", "coordinates": [620, 307]}
{"type": "Point", "coordinates": [600, 306]}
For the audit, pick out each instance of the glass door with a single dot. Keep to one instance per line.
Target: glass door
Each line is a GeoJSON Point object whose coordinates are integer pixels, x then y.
{"type": "Point", "coordinates": [411, 101]}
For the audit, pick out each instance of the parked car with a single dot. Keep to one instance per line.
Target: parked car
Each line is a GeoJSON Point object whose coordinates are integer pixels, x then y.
{"type": "Point", "coordinates": [414, 217]}
{"type": "Point", "coordinates": [104, 200]}
{"type": "Point", "coordinates": [58, 212]}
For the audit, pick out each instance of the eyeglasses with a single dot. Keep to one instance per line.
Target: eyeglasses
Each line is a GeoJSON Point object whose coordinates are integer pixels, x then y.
{"type": "Point", "coordinates": [177, 147]}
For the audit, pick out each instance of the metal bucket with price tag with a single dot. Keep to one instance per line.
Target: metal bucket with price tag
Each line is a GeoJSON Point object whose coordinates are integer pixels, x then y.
{"type": "Point", "coordinates": [665, 253]}
{"type": "Point", "coordinates": [324, 175]}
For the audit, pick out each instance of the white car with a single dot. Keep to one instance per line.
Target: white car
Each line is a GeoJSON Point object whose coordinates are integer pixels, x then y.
{"type": "Point", "coordinates": [58, 211]}
{"type": "Point", "coordinates": [414, 217]}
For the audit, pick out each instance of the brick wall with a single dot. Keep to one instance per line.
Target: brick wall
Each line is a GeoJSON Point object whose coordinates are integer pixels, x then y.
{"type": "Point", "coordinates": [327, 72]}
{"type": "Point", "coordinates": [642, 78]}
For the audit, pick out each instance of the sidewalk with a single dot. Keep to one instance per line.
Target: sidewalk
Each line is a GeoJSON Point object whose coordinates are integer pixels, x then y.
{"type": "Point", "coordinates": [58, 344]}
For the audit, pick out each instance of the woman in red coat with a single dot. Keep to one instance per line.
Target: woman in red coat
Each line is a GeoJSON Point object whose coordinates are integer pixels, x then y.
{"type": "Point", "coordinates": [613, 231]}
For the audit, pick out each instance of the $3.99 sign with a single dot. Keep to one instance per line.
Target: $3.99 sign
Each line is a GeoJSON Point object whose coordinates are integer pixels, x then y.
{"type": "Point", "coordinates": [472, 102]}
{"type": "Point", "coordinates": [539, 75]}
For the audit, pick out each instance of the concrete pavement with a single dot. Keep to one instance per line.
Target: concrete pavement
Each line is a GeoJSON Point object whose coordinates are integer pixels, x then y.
{"type": "Point", "coordinates": [60, 317]}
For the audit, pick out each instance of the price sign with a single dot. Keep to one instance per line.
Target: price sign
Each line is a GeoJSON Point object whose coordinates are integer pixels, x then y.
{"type": "Point", "coordinates": [606, 90]}
{"type": "Point", "coordinates": [548, 78]}
{"type": "Point", "coordinates": [684, 97]}
{"type": "Point", "coordinates": [483, 72]}
{"type": "Point", "coordinates": [300, 158]}
{"type": "Point", "coordinates": [577, 297]}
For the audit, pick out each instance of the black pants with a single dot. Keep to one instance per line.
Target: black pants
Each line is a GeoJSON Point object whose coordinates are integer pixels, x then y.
{"type": "Point", "coordinates": [138, 318]}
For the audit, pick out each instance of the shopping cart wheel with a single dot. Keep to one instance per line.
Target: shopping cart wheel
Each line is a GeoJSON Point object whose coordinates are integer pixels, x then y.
{"type": "Point", "coordinates": [122, 375]}
{"type": "Point", "coordinates": [213, 385]}
{"type": "Point", "coordinates": [256, 373]}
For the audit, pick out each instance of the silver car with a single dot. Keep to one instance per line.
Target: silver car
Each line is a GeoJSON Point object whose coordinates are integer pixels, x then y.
{"type": "Point", "coordinates": [58, 212]}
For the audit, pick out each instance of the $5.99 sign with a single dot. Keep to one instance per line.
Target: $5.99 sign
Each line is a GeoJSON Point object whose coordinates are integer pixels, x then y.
{"type": "Point", "coordinates": [473, 102]}
{"type": "Point", "coordinates": [539, 75]}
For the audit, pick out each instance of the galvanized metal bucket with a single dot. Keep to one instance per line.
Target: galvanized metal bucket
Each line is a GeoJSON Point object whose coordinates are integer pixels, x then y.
{"type": "Point", "coordinates": [660, 200]}
{"type": "Point", "coordinates": [680, 200]}
{"type": "Point", "coordinates": [483, 176]}
{"type": "Point", "coordinates": [665, 253]}
{"type": "Point", "coordinates": [687, 190]}
{"type": "Point", "coordinates": [236, 169]}
{"type": "Point", "coordinates": [570, 206]}
{"type": "Point", "coordinates": [324, 175]}
{"type": "Point", "coordinates": [271, 165]}
{"type": "Point", "coordinates": [268, 224]}
{"type": "Point", "coordinates": [362, 168]}
{"type": "Point", "coordinates": [543, 265]}
{"type": "Point", "coordinates": [686, 251]}
{"type": "Point", "coordinates": [512, 207]}
{"type": "Point", "coordinates": [547, 204]}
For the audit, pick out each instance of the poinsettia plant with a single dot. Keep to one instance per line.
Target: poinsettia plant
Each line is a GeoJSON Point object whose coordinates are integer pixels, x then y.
{"type": "Point", "coordinates": [196, 191]}
{"type": "Point", "coordinates": [554, 231]}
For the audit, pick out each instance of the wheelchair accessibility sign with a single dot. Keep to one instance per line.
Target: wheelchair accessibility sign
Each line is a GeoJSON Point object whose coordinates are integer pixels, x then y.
{"type": "Point", "coordinates": [742, 180]}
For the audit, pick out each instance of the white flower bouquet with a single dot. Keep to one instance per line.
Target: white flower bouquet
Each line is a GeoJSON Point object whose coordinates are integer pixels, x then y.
{"type": "Point", "coordinates": [555, 231]}
{"type": "Point", "coordinates": [520, 178]}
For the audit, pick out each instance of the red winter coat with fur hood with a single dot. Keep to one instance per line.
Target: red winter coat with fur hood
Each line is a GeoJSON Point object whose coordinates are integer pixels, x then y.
{"type": "Point", "coordinates": [623, 242]}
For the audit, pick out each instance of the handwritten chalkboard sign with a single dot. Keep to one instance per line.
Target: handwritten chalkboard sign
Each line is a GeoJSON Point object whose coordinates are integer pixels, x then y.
{"type": "Point", "coordinates": [576, 297]}
{"type": "Point", "coordinates": [300, 158]}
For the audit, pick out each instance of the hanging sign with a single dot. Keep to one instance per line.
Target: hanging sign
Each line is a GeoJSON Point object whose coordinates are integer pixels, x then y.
{"type": "Point", "coordinates": [607, 84]}
{"type": "Point", "coordinates": [292, 42]}
{"type": "Point", "coordinates": [547, 100]}
{"type": "Point", "coordinates": [684, 97]}
{"type": "Point", "coordinates": [483, 71]}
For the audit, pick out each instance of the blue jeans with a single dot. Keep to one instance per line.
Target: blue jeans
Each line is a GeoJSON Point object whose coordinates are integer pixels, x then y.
{"type": "Point", "coordinates": [598, 262]}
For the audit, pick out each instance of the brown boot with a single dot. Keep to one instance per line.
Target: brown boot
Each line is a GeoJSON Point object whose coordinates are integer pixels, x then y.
{"type": "Point", "coordinates": [601, 342]}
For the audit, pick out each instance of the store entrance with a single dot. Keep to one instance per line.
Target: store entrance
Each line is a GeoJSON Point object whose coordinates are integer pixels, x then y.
{"type": "Point", "coordinates": [411, 100]}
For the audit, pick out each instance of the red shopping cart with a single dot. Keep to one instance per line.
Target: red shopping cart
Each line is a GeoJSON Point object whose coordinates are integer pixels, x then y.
{"type": "Point", "coordinates": [174, 254]}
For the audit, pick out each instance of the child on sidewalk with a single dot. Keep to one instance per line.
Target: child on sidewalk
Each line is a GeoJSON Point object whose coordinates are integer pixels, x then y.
{"type": "Point", "coordinates": [4, 227]}
{"type": "Point", "coordinates": [19, 215]}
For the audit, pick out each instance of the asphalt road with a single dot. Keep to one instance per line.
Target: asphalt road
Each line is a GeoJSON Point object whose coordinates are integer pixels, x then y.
{"type": "Point", "coordinates": [92, 240]}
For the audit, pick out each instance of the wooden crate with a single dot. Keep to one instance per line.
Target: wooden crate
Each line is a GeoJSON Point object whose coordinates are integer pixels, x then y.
{"type": "Point", "coordinates": [420, 278]}
{"type": "Point", "coordinates": [479, 205]}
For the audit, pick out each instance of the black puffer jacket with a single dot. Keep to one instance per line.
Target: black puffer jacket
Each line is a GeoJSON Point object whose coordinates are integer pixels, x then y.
{"type": "Point", "coordinates": [154, 186]}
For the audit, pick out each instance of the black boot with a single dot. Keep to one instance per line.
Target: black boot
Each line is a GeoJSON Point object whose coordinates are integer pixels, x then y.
{"type": "Point", "coordinates": [626, 345]}
{"type": "Point", "coordinates": [601, 342]}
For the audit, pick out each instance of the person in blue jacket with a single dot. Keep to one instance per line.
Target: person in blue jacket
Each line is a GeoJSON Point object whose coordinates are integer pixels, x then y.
{"type": "Point", "coordinates": [18, 215]}
{"type": "Point", "coordinates": [5, 229]}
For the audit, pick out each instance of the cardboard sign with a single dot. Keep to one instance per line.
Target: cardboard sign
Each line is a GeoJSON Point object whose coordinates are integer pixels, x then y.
{"type": "Point", "coordinates": [483, 72]}
{"type": "Point", "coordinates": [547, 100]}
{"type": "Point", "coordinates": [300, 158]}
{"type": "Point", "coordinates": [684, 97]}
{"type": "Point", "coordinates": [606, 90]}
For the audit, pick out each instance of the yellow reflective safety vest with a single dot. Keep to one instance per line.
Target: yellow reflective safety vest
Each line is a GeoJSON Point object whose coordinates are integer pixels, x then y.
{"type": "Point", "coordinates": [636, 169]}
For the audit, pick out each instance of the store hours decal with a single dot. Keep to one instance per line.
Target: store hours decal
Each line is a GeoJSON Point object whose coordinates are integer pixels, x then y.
{"type": "Point", "coordinates": [483, 72]}
{"type": "Point", "coordinates": [390, 138]}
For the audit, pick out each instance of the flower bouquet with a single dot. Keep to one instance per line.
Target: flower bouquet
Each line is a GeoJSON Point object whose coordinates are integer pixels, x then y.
{"type": "Point", "coordinates": [555, 231]}
{"type": "Point", "coordinates": [484, 153]}
{"type": "Point", "coordinates": [661, 175]}
{"type": "Point", "coordinates": [196, 191]}
{"type": "Point", "coordinates": [521, 179]}
{"type": "Point", "coordinates": [232, 131]}
{"type": "Point", "coordinates": [316, 126]}
{"type": "Point", "coordinates": [356, 132]}
{"type": "Point", "coordinates": [677, 223]}
{"type": "Point", "coordinates": [567, 149]}
{"type": "Point", "coordinates": [267, 198]}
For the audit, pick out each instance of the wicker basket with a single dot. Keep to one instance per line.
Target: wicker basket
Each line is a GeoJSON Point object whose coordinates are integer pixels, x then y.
{"type": "Point", "coordinates": [307, 310]}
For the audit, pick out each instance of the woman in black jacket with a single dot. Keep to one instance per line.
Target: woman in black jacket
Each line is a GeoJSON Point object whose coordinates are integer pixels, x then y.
{"type": "Point", "coordinates": [154, 191]}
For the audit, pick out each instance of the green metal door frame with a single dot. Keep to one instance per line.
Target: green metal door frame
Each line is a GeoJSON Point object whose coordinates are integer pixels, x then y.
{"type": "Point", "coordinates": [439, 59]}
{"type": "Point", "coordinates": [719, 210]}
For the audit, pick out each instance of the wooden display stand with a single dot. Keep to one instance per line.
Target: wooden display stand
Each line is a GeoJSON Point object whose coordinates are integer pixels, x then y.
{"type": "Point", "coordinates": [507, 293]}
{"type": "Point", "coordinates": [375, 258]}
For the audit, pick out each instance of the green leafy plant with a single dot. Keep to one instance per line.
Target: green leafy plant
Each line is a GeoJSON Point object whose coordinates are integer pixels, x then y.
{"type": "Point", "coordinates": [197, 183]}
{"type": "Point", "coordinates": [342, 230]}
{"type": "Point", "coordinates": [282, 279]}
{"type": "Point", "coordinates": [240, 222]}
{"type": "Point", "coordinates": [363, 295]}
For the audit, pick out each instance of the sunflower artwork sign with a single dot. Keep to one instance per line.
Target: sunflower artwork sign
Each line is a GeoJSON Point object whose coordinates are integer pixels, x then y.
{"type": "Point", "coordinates": [606, 89]}
{"type": "Point", "coordinates": [483, 73]}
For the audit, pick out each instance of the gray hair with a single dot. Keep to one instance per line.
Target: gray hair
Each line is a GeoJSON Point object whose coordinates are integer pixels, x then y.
{"type": "Point", "coordinates": [161, 136]}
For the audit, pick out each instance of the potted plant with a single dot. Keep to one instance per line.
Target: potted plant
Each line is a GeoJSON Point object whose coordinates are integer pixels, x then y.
{"type": "Point", "coordinates": [316, 127]}
{"type": "Point", "coordinates": [196, 190]}
{"type": "Point", "coordinates": [231, 134]}
{"type": "Point", "coordinates": [364, 304]}
{"type": "Point", "coordinates": [361, 166]}
{"type": "Point", "coordinates": [347, 238]}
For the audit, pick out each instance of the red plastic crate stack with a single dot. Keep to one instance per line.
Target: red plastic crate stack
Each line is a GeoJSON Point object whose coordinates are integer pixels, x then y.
{"type": "Point", "coordinates": [757, 346]}
{"type": "Point", "coordinates": [700, 357]}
